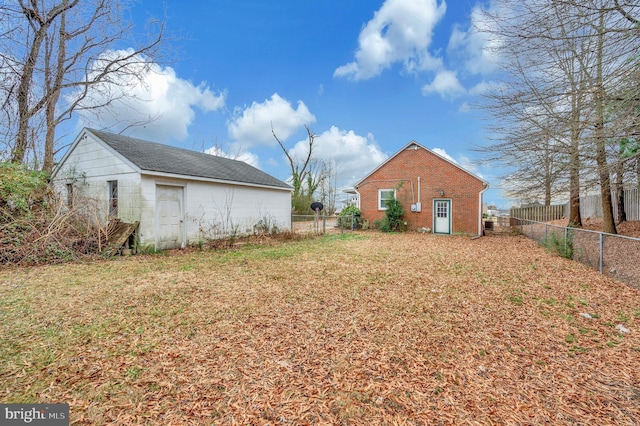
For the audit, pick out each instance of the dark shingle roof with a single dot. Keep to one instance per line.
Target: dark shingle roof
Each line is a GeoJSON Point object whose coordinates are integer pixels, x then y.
{"type": "Point", "coordinates": [155, 157]}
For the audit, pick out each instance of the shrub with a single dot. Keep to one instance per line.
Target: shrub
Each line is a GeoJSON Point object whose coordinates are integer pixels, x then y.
{"type": "Point", "coordinates": [560, 243]}
{"type": "Point", "coordinates": [394, 217]}
{"type": "Point", "coordinates": [350, 217]}
{"type": "Point", "coordinates": [36, 226]}
{"type": "Point", "coordinates": [20, 190]}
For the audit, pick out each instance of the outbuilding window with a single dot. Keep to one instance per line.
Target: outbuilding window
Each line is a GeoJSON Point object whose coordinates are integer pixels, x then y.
{"type": "Point", "coordinates": [113, 198]}
{"type": "Point", "coordinates": [69, 195]}
{"type": "Point", "coordinates": [384, 196]}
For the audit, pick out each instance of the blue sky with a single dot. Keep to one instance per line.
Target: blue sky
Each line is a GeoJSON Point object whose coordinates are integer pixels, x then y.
{"type": "Point", "coordinates": [366, 76]}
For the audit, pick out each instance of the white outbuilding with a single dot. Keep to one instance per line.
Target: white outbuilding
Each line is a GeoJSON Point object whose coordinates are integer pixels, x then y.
{"type": "Point", "coordinates": [178, 197]}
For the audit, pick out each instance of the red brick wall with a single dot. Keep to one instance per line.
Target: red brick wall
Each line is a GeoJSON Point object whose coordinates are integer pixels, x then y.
{"type": "Point", "coordinates": [462, 188]}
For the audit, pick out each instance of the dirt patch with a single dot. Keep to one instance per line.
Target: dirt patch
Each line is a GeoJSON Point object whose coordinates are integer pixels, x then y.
{"type": "Point", "coordinates": [363, 328]}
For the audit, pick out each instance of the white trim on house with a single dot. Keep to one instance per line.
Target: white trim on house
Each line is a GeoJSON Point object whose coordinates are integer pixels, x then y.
{"type": "Point", "coordinates": [380, 199]}
{"type": "Point", "coordinates": [202, 179]}
{"type": "Point", "coordinates": [417, 145]}
{"type": "Point", "coordinates": [436, 212]}
{"type": "Point", "coordinates": [83, 136]}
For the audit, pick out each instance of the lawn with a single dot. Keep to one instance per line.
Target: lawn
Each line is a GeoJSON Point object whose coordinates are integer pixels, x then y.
{"type": "Point", "coordinates": [364, 328]}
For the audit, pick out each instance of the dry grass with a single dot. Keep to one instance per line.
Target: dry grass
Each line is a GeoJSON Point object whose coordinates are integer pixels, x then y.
{"type": "Point", "coordinates": [363, 328]}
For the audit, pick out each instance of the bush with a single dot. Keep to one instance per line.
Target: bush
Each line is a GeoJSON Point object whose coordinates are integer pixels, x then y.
{"type": "Point", "coordinates": [350, 217]}
{"type": "Point", "coordinates": [394, 217]}
{"type": "Point", "coordinates": [20, 190]}
{"type": "Point", "coordinates": [36, 226]}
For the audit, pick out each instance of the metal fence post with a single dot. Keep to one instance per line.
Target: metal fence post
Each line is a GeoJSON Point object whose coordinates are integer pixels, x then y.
{"type": "Point", "coordinates": [601, 254]}
{"type": "Point", "coordinates": [324, 223]}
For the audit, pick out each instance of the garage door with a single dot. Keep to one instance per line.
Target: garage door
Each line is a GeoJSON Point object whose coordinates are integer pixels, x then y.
{"type": "Point", "coordinates": [169, 217]}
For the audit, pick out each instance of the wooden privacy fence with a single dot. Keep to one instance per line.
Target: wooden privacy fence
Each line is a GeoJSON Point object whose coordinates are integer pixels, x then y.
{"type": "Point", "coordinates": [590, 207]}
{"type": "Point", "coordinates": [540, 213]}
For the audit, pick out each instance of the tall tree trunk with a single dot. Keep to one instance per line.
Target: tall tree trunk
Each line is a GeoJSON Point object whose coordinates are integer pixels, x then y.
{"type": "Point", "coordinates": [622, 214]}
{"type": "Point", "coordinates": [24, 111]}
{"type": "Point", "coordinates": [40, 21]}
{"type": "Point", "coordinates": [548, 178]}
{"type": "Point", "coordinates": [54, 88]}
{"type": "Point", "coordinates": [608, 224]}
{"type": "Point", "coordinates": [575, 219]}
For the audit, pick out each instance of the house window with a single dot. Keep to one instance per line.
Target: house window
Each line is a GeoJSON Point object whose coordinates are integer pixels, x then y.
{"type": "Point", "coordinates": [69, 195]}
{"type": "Point", "coordinates": [384, 196]}
{"type": "Point", "coordinates": [113, 198]}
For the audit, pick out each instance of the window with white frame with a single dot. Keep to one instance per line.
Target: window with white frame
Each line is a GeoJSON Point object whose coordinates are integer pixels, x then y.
{"type": "Point", "coordinates": [384, 196]}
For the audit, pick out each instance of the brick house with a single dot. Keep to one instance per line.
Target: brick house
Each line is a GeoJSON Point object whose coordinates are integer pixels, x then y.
{"type": "Point", "coordinates": [435, 192]}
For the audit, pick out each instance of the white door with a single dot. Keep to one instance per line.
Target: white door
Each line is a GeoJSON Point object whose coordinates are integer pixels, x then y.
{"type": "Point", "coordinates": [441, 216]}
{"type": "Point", "coordinates": [169, 217]}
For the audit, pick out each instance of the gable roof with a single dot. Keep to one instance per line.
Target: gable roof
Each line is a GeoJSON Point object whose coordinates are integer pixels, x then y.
{"type": "Point", "coordinates": [417, 145]}
{"type": "Point", "coordinates": [155, 157]}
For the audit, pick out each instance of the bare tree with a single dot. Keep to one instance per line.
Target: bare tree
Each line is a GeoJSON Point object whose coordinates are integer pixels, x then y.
{"type": "Point", "coordinates": [59, 54]}
{"type": "Point", "coordinates": [537, 119]}
{"type": "Point", "coordinates": [306, 174]}
{"type": "Point", "coordinates": [562, 60]}
{"type": "Point", "coordinates": [328, 188]}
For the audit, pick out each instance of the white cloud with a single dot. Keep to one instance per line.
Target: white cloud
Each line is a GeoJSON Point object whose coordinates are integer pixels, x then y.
{"type": "Point", "coordinates": [400, 31]}
{"type": "Point", "coordinates": [465, 107]}
{"type": "Point", "coordinates": [441, 152]}
{"type": "Point", "coordinates": [446, 84]}
{"type": "Point", "coordinates": [485, 87]}
{"type": "Point", "coordinates": [468, 164]}
{"type": "Point", "coordinates": [246, 156]}
{"type": "Point", "coordinates": [151, 95]}
{"type": "Point", "coordinates": [353, 155]}
{"type": "Point", "coordinates": [252, 126]}
{"type": "Point", "coordinates": [477, 47]}
{"type": "Point", "coordinates": [464, 162]}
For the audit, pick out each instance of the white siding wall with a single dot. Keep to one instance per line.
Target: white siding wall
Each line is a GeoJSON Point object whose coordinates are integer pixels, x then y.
{"type": "Point", "coordinates": [216, 210]}
{"type": "Point", "coordinates": [211, 209]}
{"type": "Point", "coordinates": [89, 167]}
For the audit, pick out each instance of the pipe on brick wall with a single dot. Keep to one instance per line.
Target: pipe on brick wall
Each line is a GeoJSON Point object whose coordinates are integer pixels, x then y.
{"type": "Point", "coordinates": [413, 197]}
{"type": "Point", "coordinates": [481, 197]}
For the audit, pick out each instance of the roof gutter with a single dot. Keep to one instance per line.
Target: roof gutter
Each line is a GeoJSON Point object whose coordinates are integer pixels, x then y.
{"type": "Point", "coordinates": [204, 179]}
{"type": "Point", "coordinates": [480, 202]}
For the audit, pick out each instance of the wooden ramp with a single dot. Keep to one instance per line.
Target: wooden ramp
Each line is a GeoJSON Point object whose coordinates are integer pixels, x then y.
{"type": "Point", "coordinates": [119, 233]}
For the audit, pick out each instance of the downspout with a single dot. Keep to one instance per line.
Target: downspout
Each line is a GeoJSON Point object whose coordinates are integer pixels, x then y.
{"type": "Point", "coordinates": [486, 186]}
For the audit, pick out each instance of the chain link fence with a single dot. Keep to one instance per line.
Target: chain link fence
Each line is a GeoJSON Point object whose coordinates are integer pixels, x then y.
{"type": "Point", "coordinates": [323, 224]}
{"type": "Point", "coordinates": [615, 256]}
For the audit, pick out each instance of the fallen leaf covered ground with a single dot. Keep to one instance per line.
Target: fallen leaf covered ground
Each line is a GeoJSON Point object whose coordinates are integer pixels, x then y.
{"type": "Point", "coordinates": [363, 328]}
